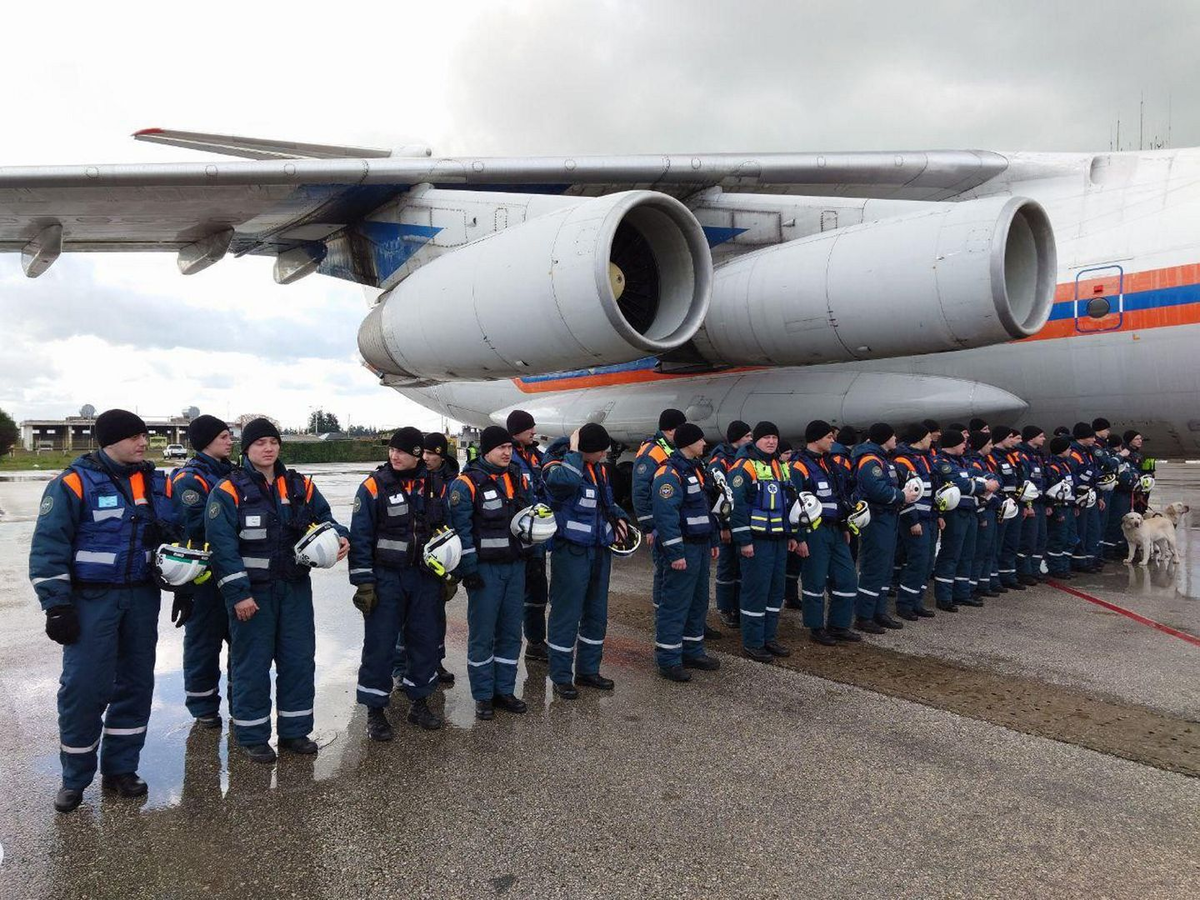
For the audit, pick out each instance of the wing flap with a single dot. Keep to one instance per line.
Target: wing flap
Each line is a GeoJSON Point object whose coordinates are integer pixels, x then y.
{"type": "Point", "coordinates": [260, 148]}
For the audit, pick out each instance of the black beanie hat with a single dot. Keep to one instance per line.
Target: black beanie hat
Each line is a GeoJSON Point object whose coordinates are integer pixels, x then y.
{"type": "Point", "coordinates": [670, 419]}
{"type": "Point", "coordinates": [816, 430]}
{"type": "Point", "coordinates": [1001, 433]}
{"type": "Point", "coordinates": [1099, 424]}
{"type": "Point", "coordinates": [1029, 432]}
{"type": "Point", "coordinates": [978, 424]}
{"type": "Point", "coordinates": [408, 439]}
{"type": "Point", "coordinates": [518, 421]}
{"type": "Point", "coordinates": [736, 431]}
{"type": "Point", "coordinates": [880, 433]}
{"type": "Point", "coordinates": [784, 448]}
{"type": "Point", "coordinates": [203, 430]}
{"type": "Point", "coordinates": [765, 429]}
{"type": "Point", "coordinates": [1062, 430]}
{"type": "Point", "coordinates": [979, 440]}
{"type": "Point", "coordinates": [1082, 430]}
{"type": "Point", "coordinates": [955, 426]}
{"type": "Point", "coordinates": [848, 435]}
{"type": "Point", "coordinates": [931, 424]}
{"type": "Point", "coordinates": [593, 438]}
{"type": "Point", "coordinates": [258, 428]}
{"type": "Point", "coordinates": [435, 442]}
{"type": "Point", "coordinates": [916, 432]}
{"type": "Point", "coordinates": [952, 438]}
{"type": "Point", "coordinates": [1130, 435]}
{"type": "Point", "coordinates": [493, 436]}
{"type": "Point", "coordinates": [687, 433]}
{"type": "Point", "coordinates": [114, 425]}
{"type": "Point", "coordinates": [1059, 444]}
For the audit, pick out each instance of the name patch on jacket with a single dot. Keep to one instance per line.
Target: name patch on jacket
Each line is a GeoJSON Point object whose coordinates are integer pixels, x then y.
{"type": "Point", "coordinates": [109, 501]}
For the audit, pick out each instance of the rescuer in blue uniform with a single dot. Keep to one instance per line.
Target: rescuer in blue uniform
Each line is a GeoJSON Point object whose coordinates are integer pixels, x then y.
{"type": "Point", "coordinates": [824, 550]}
{"type": "Point", "coordinates": [208, 626]}
{"type": "Point", "coordinates": [1107, 464]}
{"type": "Point", "coordinates": [1121, 498]}
{"type": "Point", "coordinates": [844, 441]}
{"type": "Point", "coordinates": [987, 513]}
{"type": "Point", "coordinates": [91, 566]}
{"type": "Point", "coordinates": [396, 592]}
{"type": "Point", "coordinates": [1061, 513]}
{"type": "Point", "coordinates": [1084, 473]}
{"type": "Point", "coordinates": [483, 501]}
{"type": "Point", "coordinates": [1007, 466]}
{"type": "Point", "coordinates": [579, 484]}
{"type": "Point", "coordinates": [1031, 549]}
{"type": "Point", "coordinates": [255, 518]}
{"type": "Point", "coordinates": [528, 457]}
{"type": "Point", "coordinates": [759, 526]}
{"type": "Point", "coordinates": [687, 538]}
{"type": "Point", "coordinates": [951, 574]}
{"type": "Point", "coordinates": [879, 484]}
{"type": "Point", "coordinates": [918, 526]}
{"type": "Point", "coordinates": [729, 578]}
{"type": "Point", "coordinates": [652, 454]}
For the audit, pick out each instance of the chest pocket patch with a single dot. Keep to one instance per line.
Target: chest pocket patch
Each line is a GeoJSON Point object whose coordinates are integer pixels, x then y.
{"type": "Point", "coordinates": [491, 500]}
{"type": "Point", "coordinates": [109, 501]}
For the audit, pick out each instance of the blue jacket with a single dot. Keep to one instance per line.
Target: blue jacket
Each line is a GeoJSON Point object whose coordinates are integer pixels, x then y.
{"type": "Point", "coordinates": [99, 523]}
{"type": "Point", "coordinates": [222, 527]}
{"type": "Point", "coordinates": [570, 484]}
{"type": "Point", "coordinates": [463, 506]}
{"type": "Point", "coordinates": [951, 469]}
{"type": "Point", "coordinates": [530, 460]}
{"type": "Point", "coordinates": [1083, 465]}
{"type": "Point", "coordinates": [652, 454]}
{"type": "Point", "coordinates": [1004, 468]}
{"type": "Point", "coordinates": [822, 477]}
{"type": "Point", "coordinates": [762, 495]}
{"type": "Point", "coordinates": [1032, 466]}
{"type": "Point", "coordinates": [417, 506]}
{"type": "Point", "coordinates": [681, 508]}
{"type": "Point", "coordinates": [876, 479]}
{"type": "Point", "coordinates": [980, 471]}
{"type": "Point", "coordinates": [912, 462]}
{"type": "Point", "coordinates": [191, 483]}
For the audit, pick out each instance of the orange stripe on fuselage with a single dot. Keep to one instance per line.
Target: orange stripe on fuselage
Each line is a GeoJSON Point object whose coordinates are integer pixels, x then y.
{"type": "Point", "coordinates": [1135, 320]}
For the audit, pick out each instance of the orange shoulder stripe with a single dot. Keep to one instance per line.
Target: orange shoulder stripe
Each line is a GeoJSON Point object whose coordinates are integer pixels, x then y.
{"type": "Point", "coordinates": [75, 483]}
{"type": "Point", "coordinates": [372, 488]}
{"type": "Point", "coordinates": [227, 487]}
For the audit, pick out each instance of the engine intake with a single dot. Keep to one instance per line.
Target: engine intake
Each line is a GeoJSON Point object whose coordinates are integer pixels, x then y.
{"type": "Point", "coordinates": [953, 276]}
{"type": "Point", "coordinates": [606, 281]}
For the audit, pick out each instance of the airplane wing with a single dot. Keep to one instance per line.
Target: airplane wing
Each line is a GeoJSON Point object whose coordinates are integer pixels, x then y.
{"type": "Point", "coordinates": [302, 198]}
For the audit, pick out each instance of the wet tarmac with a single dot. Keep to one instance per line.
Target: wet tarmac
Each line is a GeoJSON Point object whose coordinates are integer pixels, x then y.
{"type": "Point", "coordinates": [910, 767]}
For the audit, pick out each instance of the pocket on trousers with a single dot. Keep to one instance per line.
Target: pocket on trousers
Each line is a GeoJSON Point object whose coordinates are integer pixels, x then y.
{"type": "Point", "coordinates": [90, 593]}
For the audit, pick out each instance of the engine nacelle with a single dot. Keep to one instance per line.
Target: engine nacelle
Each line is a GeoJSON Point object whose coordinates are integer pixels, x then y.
{"type": "Point", "coordinates": [606, 281]}
{"type": "Point", "coordinates": [953, 276]}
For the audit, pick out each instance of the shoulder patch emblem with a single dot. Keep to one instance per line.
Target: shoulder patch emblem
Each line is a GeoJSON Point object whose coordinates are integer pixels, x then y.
{"type": "Point", "coordinates": [877, 471]}
{"type": "Point", "coordinates": [643, 468]}
{"type": "Point", "coordinates": [738, 480]}
{"type": "Point", "coordinates": [666, 491]}
{"type": "Point", "coordinates": [214, 509]}
{"type": "Point", "coordinates": [47, 505]}
{"type": "Point", "coordinates": [190, 497]}
{"type": "Point", "coordinates": [455, 497]}
{"type": "Point", "coordinates": [357, 503]}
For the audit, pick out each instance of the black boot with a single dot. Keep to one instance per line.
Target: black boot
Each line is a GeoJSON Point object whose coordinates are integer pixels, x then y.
{"type": "Point", "coordinates": [758, 654]}
{"type": "Point", "coordinates": [537, 652]}
{"type": "Point", "coordinates": [213, 721]}
{"type": "Point", "coordinates": [301, 746]}
{"type": "Point", "coordinates": [710, 633]}
{"type": "Point", "coordinates": [260, 753]}
{"type": "Point", "coordinates": [595, 680]}
{"type": "Point", "coordinates": [844, 634]}
{"type": "Point", "coordinates": [444, 675]}
{"type": "Point", "coordinates": [948, 607]}
{"type": "Point", "coordinates": [483, 710]}
{"type": "Point", "coordinates": [730, 620]}
{"type": "Point", "coordinates": [127, 784]}
{"type": "Point", "coordinates": [378, 726]}
{"type": "Point", "coordinates": [566, 690]}
{"type": "Point", "coordinates": [509, 703]}
{"type": "Point", "coordinates": [923, 613]}
{"type": "Point", "coordinates": [776, 649]}
{"type": "Point", "coordinates": [67, 799]}
{"type": "Point", "coordinates": [868, 626]}
{"type": "Point", "coordinates": [821, 636]}
{"type": "Point", "coordinates": [705, 662]}
{"type": "Point", "coordinates": [674, 673]}
{"type": "Point", "coordinates": [888, 622]}
{"type": "Point", "coordinates": [907, 615]}
{"type": "Point", "coordinates": [420, 714]}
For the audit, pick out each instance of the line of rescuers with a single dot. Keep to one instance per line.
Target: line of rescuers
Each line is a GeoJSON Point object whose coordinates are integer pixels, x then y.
{"type": "Point", "coordinates": [234, 545]}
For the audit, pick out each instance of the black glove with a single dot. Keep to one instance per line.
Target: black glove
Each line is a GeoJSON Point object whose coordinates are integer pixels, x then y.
{"type": "Point", "coordinates": [365, 599]}
{"type": "Point", "coordinates": [473, 582]}
{"type": "Point", "coordinates": [62, 624]}
{"type": "Point", "coordinates": [181, 609]}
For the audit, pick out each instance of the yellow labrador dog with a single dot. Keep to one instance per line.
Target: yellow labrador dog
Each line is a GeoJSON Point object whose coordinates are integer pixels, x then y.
{"type": "Point", "coordinates": [1154, 533]}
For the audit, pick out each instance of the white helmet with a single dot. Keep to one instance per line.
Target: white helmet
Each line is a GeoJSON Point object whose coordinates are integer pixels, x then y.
{"type": "Point", "coordinates": [1107, 481]}
{"type": "Point", "coordinates": [627, 547]}
{"type": "Point", "coordinates": [860, 517]}
{"type": "Point", "coordinates": [1060, 491]}
{"type": "Point", "coordinates": [1146, 484]}
{"type": "Point", "coordinates": [1028, 492]}
{"type": "Point", "coordinates": [947, 497]}
{"type": "Point", "coordinates": [806, 511]}
{"type": "Point", "coordinates": [723, 506]}
{"type": "Point", "coordinates": [442, 553]}
{"type": "Point", "coordinates": [1008, 508]}
{"type": "Point", "coordinates": [534, 524]}
{"type": "Point", "coordinates": [916, 483]}
{"type": "Point", "coordinates": [1085, 497]}
{"type": "Point", "coordinates": [319, 546]}
{"type": "Point", "coordinates": [177, 566]}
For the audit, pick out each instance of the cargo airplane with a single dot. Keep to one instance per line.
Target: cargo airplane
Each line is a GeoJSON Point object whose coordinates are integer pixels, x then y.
{"type": "Point", "coordinates": [1020, 287]}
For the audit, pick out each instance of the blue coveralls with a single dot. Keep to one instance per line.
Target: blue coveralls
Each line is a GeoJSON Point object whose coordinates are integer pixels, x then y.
{"type": "Point", "coordinates": [761, 496]}
{"type": "Point", "coordinates": [537, 590]}
{"type": "Point", "coordinates": [686, 530]}
{"type": "Point", "coordinates": [483, 501]}
{"type": "Point", "coordinates": [1032, 547]}
{"type": "Point", "coordinates": [252, 527]}
{"type": "Point", "coordinates": [1107, 462]}
{"type": "Point", "coordinates": [395, 513]}
{"type": "Point", "coordinates": [877, 483]}
{"type": "Point", "coordinates": [918, 548]}
{"type": "Point", "coordinates": [97, 526]}
{"type": "Point", "coordinates": [208, 626]}
{"type": "Point", "coordinates": [1120, 501]}
{"type": "Point", "coordinates": [1059, 535]}
{"type": "Point", "coordinates": [839, 454]}
{"type": "Point", "coordinates": [582, 497]}
{"type": "Point", "coordinates": [986, 529]}
{"type": "Point", "coordinates": [652, 454]}
{"type": "Point", "coordinates": [951, 571]}
{"type": "Point", "coordinates": [828, 562]}
{"type": "Point", "coordinates": [729, 579]}
{"type": "Point", "coordinates": [1087, 521]}
{"type": "Point", "coordinates": [1008, 536]}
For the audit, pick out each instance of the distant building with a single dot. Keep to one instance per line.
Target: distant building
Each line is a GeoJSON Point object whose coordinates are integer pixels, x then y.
{"type": "Point", "coordinates": [78, 432]}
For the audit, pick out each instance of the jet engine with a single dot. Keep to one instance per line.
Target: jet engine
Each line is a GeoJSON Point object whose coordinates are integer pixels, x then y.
{"type": "Point", "coordinates": [952, 276]}
{"type": "Point", "coordinates": [605, 281]}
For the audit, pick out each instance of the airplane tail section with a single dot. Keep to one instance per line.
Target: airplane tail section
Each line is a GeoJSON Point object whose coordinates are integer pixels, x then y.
{"type": "Point", "coordinates": [263, 148]}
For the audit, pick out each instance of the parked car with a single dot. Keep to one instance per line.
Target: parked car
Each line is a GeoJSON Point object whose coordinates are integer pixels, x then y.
{"type": "Point", "coordinates": [174, 451]}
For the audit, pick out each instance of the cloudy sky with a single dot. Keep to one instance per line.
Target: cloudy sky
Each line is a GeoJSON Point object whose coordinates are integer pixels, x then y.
{"type": "Point", "coordinates": [528, 77]}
